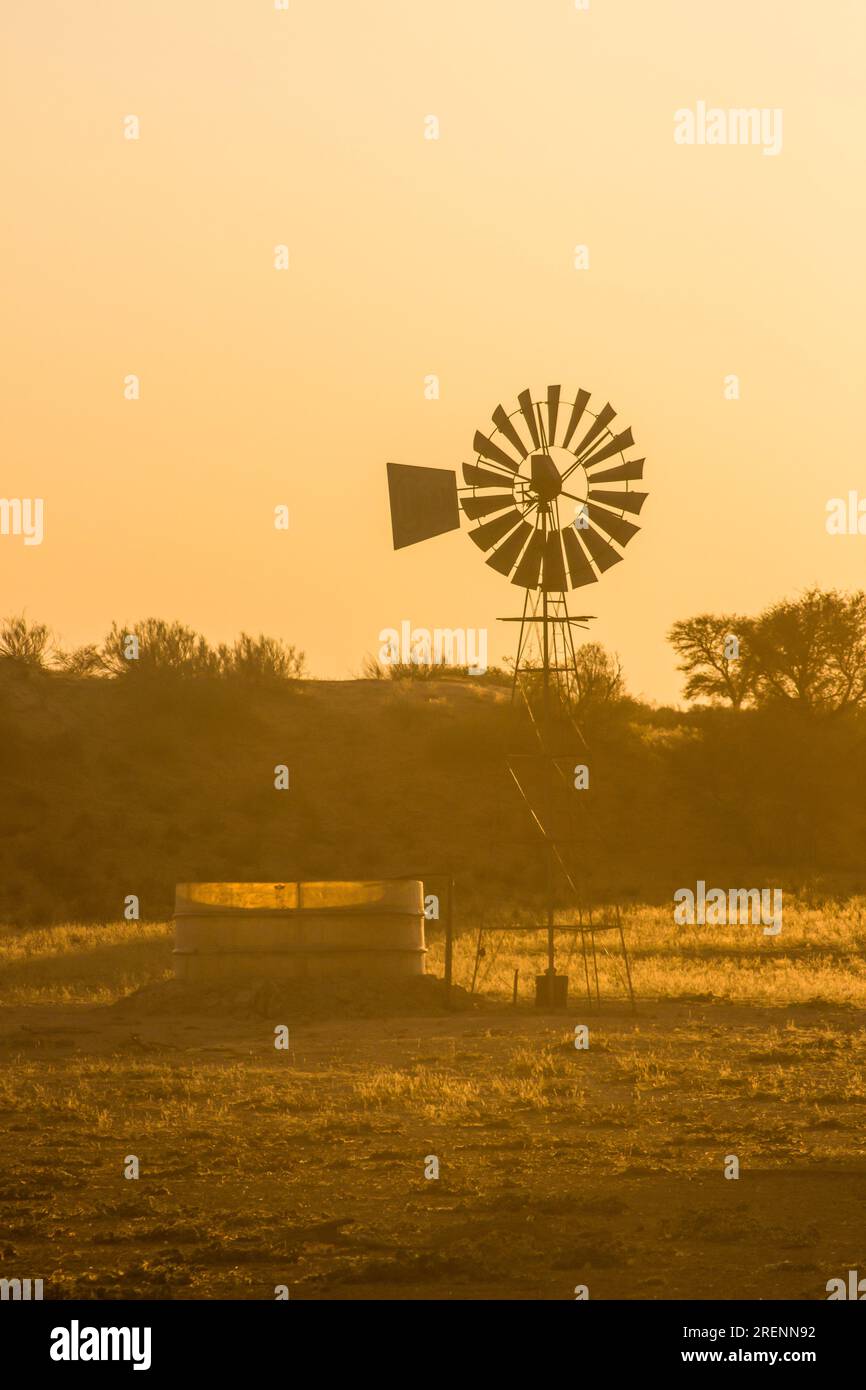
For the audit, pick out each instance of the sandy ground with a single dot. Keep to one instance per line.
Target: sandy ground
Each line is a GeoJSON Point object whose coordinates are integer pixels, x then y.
{"type": "Point", "coordinates": [306, 1167]}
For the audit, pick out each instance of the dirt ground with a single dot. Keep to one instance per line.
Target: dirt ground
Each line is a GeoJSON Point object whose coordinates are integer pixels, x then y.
{"type": "Point", "coordinates": [305, 1167]}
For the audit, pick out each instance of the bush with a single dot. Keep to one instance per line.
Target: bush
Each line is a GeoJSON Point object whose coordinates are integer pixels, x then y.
{"type": "Point", "coordinates": [261, 659]}
{"type": "Point", "coordinates": [27, 644]}
{"type": "Point", "coordinates": [81, 661]}
{"type": "Point", "coordinates": [162, 648]}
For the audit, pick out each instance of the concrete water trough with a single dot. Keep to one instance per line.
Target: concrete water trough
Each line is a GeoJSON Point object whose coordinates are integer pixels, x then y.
{"type": "Point", "coordinates": [266, 931]}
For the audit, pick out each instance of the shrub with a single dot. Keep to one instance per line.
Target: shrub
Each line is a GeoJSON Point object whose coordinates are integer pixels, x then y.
{"type": "Point", "coordinates": [27, 644]}
{"type": "Point", "coordinates": [81, 661]}
{"type": "Point", "coordinates": [163, 648]}
{"type": "Point", "coordinates": [261, 659]}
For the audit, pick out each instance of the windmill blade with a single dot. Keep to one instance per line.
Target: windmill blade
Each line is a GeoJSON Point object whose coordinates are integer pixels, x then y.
{"type": "Point", "coordinates": [524, 400]}
{"type": "Point", "coordinates": [485, 477]}
{"type": "Point", "coordinates": [615, 526]}
{"type": "Point", "coordinates": [602, 420]}
{"type": "Point", "coordinates": [504, 425]}
{"type": "Point", "coordinates": [601, 550]}
{"type": "Point", "coordinates": [505, 556]}
{"type": "Point", "coordinates": [423, 503]}
{"type": "Point", "coordinates": [527, 572]}
{"type": "Point", "coordinates": [617, 445]}
{"type": "Point", "coordinates": [623, 473]}
{"type": "Point", "coordinates": [553, 578]}
{"type": "Point", "coordinates": [626, 501]}
{"type": "Point", "coordinates": [474, 507]}
{"type": "Point", "coordinates": [552, 412]}
{"type": "Point", "coordinates": [579, 568]}
{"type": "Point", "coordinates": [576, 413]}
{"type": "Point", "coordinates": [488, 450]}
{"type": "Point", "coordinates": [492, 531]}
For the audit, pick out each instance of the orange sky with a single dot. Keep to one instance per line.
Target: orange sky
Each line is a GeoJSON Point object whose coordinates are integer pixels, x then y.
{"type": "Point", "coordinates": [408, 257]}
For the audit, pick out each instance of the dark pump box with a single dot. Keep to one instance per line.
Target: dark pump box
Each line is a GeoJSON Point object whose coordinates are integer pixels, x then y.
{"type": "Point", "coordinates": [551, 991]}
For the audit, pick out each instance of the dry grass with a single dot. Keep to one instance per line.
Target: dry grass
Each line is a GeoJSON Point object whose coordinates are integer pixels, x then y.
{"type": "Point", "coordinates": [306, 1167]}
{"type": "Point", "coordinates": [820, 955]}
{"type": "Point", "coordinates": [77, 964]}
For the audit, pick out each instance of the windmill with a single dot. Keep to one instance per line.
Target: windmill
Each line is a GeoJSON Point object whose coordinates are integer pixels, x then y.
{"type": "Point", "coordinates": [551, 492]}
{"type": "Point", "coordinates": [550, 502]}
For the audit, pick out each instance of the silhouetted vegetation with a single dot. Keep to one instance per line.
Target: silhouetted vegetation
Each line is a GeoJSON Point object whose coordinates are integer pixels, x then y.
{"type": "Point", "coordinates": [599, 679]}
{"type": "Point", "coordinates": [27, 645]}
{"type": "Point", "coordinates": [151, 647]}
{"type": "Point", "coordinates": [113, 787]}
{"type": "Point", "coordinates": [701, 643]}
{"type": "Point", "coordinates": [116, 784]}
{"type": "Point", "coordinates": [372, 669]}
{"type": "Point", "coordinates": [811, 652]}
{"type": "Point", "coordinates": [261, 659]}
{"type": "Point", "coordinates": [808, 652]}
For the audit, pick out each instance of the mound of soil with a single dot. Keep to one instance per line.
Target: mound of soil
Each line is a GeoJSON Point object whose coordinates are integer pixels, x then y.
{"type": "Point", "coordinates": [301, 999]}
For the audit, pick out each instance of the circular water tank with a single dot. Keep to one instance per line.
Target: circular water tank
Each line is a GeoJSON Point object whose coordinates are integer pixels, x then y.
{"type": "Point", "coordinates": [266, 931]}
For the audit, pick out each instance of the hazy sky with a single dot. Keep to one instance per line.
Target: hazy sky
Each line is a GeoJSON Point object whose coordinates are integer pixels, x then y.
{"type": "Point", "coordinates": [408, 257]}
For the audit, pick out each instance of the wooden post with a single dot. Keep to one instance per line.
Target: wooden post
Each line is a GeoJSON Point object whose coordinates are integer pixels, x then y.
{"type": "Point", "coordinates": [625, 959]}
{"type": "Point", "coordinates": [449, 942]}
{"type": "Point", "coordinates": [477, 957]}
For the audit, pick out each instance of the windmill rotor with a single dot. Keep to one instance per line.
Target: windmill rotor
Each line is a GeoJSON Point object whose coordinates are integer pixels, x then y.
{"type": "Point", "coordinates": [565, 465]}
{"type": "Point", "coordinates": [549, 495]}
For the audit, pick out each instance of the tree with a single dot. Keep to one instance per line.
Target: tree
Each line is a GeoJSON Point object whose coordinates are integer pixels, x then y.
{"type": "Point", "coordinates": [811, 651]}
{"type": "Point", "coordinates": [716, 667]}
{"type": "Point", "coordinates": [599, 677]}
{"type": "Point", "coordinates": [27, 644]}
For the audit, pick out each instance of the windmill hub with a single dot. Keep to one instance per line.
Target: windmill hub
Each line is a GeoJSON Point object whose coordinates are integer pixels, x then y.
{"type": "Point", "coordinates": [546, 482]}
